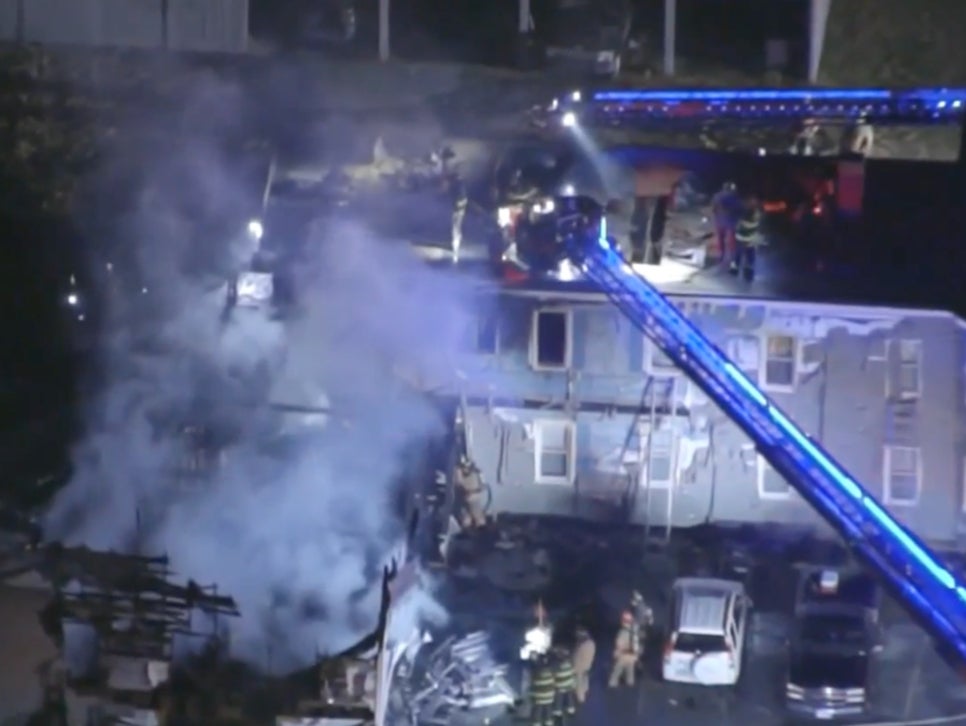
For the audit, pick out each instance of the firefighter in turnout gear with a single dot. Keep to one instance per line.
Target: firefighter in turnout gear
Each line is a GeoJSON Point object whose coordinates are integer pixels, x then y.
{"type": "Point", "coordinates": [583, 659]}
{"type": "Point", "coordinates": [626, 652]}
{"type": "Point", "coordinates": [724, 208]}
{"type": "Point", "coordinates": [470, 484]}
{"type": "Point", "coordinates": [542, 693]}
{"type": "Point", "coordinates": [643, 618]}
{"type": "Point", "coordinates": [565, 687]}
{"type": "Point", "coordinates": [459, 198]}
{"type": "Point", "coordinates": [747, 239]}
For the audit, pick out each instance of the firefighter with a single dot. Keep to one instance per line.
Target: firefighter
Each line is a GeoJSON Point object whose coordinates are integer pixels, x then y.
{"type": "Point", "coordinates": [861, 138]}
{"type": "Point", "coordinates": [724, 210]}
{"type": "Point", "coordinates": [542, 692]}
{"type": "Point", "coordinates": [470, 483]}
{"type": "Point", "coordinates": [747, 239]}
{"type": "Point", "coordinates": [583, 660]}
{"type": "Point", "coordinates": [626, 652]}
{"type": "Point", "coordinates": [806, 141]}
{"type": "Point", "coordinates": [643, 618]}
{"type": "Point", "coordinates": [460, 201]}
{"type": "Point", "coordinates": [565, 686]}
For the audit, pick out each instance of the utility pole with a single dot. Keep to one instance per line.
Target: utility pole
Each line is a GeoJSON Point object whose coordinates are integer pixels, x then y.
{"type": "Point", "coordinates": [818, 11]}
{"type": "Point", "coordinates": [383, 30]}
{"type": "Point", "coordinates": [523, 17]}
{"type": "Point", "coordinates": [670, 35]}
{"type": "Point", "coordinates": [524, 26]}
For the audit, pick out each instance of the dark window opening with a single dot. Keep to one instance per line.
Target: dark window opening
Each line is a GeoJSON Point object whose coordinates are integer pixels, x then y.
{"type": "Point", "coordinates": [552, 339]}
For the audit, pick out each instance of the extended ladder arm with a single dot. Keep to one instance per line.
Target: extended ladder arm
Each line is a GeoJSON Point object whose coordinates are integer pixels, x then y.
{"type": "Point", "coordinates": [916, 576]}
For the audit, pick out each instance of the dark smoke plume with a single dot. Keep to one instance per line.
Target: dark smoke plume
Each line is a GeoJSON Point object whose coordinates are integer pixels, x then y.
{"type": "Point", "coordinates": [302, 513]}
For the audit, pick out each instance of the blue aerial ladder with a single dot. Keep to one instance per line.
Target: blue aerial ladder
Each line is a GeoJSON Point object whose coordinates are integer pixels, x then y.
{"type": "Point", "coordinates": [930, 592]}
{"type": "Point", "coordinates": [627, 108]}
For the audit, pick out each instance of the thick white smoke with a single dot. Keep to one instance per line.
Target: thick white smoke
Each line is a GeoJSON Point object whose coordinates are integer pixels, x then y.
{"type": "Point", "coordinates": [298, 520]}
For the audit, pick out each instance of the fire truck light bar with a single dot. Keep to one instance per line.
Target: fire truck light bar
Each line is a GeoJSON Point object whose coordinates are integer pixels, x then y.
{"type": "Point", "coordinates": [924, 106]}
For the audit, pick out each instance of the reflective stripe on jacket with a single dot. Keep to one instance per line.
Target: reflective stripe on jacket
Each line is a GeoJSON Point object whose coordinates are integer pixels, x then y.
{"type": "Point", "coordinates": [543, 688]}
{"type": "Point", "coordinates": [564, 677]}
{"type": "Point", "coordinates": [747, 229]}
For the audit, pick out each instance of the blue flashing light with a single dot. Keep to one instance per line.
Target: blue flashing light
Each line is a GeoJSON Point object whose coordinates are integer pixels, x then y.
{"type": "Point", "coordinates": [742, 380]}
{"type": "Point", "coordinates": [817, 456]}
{"type": "Point", "coordinates": [939, 96]}
{"type": "Point", "coordinates": [789, 95]}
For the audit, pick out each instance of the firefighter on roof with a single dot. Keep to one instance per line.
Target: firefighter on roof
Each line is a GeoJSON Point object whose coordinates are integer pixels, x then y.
{"type": "Point", "coordinates": [455, 188]}
{"type": "Point", "coordinates": [626, 652]}
{"type": "Point", "coordinates": [470, 484]}
{"type": "Point", "coordinates": [861, 137]}
{"type": "Point", "coordinates": [748, 238]}
{"type": "Point", "coordinates": [565, 687]}
{"type": "Point", "coordinates": [542, 693]}
{"type": "Point", "coordinates": [724, 210]}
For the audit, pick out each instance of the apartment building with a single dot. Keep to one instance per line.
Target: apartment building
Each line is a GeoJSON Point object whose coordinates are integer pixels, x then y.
{"type": "Point", "coordinates": [570, 411]}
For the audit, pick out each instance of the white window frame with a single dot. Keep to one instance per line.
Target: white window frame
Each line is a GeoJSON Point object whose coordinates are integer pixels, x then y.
{"type": "Point", "coordinates": [732, 342]}
{"type": "Point", "coordinates": [887, 454]}
{"type": "Point", "coordinates": [896, 345]}
{"type": "Point", "coordinates": [656, 371]}
{"type": "Point", "coordinates": [763, 358]}
{"type": "Point", "coordinates": [644, 436]}
{"type": "Point", "coordinates": [535, 343]}
{"type": "Point", "coordinates": [570, 434]}
{"type": "Point", "coordinates": [762, 468]}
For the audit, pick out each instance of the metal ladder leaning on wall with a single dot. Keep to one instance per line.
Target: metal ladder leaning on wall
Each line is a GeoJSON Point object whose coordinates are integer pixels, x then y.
{"type": "Point", "coordinates": [635, 482]}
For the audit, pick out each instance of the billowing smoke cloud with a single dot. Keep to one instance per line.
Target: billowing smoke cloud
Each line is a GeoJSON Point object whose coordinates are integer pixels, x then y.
{"type": "Point", "coordinates": [299, 517]}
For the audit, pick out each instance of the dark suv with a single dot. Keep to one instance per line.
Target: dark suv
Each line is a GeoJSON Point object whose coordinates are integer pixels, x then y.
{"type": "Point", "coordinates": [834, 637]}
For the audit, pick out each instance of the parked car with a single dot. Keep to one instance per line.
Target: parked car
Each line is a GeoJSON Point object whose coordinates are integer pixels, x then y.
{"type": "Point", "coordinates": [834, 640]}
{"type": "Point", "coordinates": [707, 623]}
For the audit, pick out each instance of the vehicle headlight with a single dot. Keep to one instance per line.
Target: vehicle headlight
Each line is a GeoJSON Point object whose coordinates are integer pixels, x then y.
{"type": "Point", "coordinates": [545, 207]}
{"type": "Point", "coordinates": [794, 692]}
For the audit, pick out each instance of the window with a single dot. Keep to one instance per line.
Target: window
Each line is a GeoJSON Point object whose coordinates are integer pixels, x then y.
{"type": "Point", "coordinates": [745, 352]}
{"type": "Point", "coordinates": [905, 369]}
{"type": "Point", "coordinates": [484, 334]}
{"type": "Point", "coordinates": [771, 484]}
{"type": "Point", "coordinates": [550, 344]}
{"type": "Point", "coordinates": [656, 363]}
{"type": "Point", "coordinates": [779, 369]}
{"type": "Point", "coordinates": [903, 474]}
{"type": "Point", "coordinates": [699, 643]}
{"type": "Point", "coordinates": [554, 452]}
{"type": "Point", "coordinates": [658, 458]}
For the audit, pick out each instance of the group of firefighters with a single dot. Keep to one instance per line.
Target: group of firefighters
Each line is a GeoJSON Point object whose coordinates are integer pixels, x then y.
{"type": "Point", "coordinates": [561, 678]}
{"type": "Point", "coordinates": [737, 220]}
